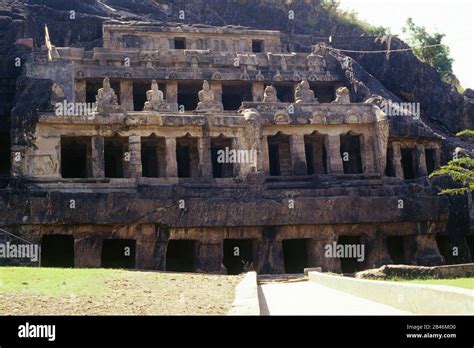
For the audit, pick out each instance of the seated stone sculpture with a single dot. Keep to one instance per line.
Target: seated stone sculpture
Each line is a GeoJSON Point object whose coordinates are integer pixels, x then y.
{"type": "Point", "coordinates": [155, 100]}
{"type": "Point", "coordinates": [207, 100]}
{"type": "Point", "coordinates": [106, 99]}
{"type": "Point", "coordinates": [304, 94]}
{"type": "Point", "coordinates": [342, 96]}
{"type": "Point", "coordinates": [270, 95]}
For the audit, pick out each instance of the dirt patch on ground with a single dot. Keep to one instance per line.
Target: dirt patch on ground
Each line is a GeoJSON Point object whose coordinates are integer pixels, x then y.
{"type": "Point", "coordinates": [133, 293]}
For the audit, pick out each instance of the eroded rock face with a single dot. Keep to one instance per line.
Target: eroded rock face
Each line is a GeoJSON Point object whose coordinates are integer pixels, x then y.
{"type": "Point", "coordinates": [469, 93]}
{"type": "Point", "coordinates": [440, 102]}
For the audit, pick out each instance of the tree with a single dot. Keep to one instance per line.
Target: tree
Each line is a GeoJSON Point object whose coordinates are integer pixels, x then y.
{"type": "Point", "coordinates": [438, 56]}
{"type": "Point", "coordinates": [460, 169]}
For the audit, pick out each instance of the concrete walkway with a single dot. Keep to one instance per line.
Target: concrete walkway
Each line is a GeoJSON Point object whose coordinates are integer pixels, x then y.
{"type": "Point", "coordinates": [309, 298]}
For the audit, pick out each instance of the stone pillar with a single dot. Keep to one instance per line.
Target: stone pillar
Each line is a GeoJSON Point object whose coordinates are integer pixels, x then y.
{"type": "Point", "coordinates": [87, 251]}
{"type": "Point", "coordinates": [334, 153]}
{"type": "Point", "coordinates": [423, 250]}
{"type": "Point", "coordinates": [135, 148]}
{"type": "Point", "coordinates": [162, 236]}
{"type": "Point", "coordinates": [205, 162]}
{"type": "Point", "coordinates": [257, 91]}
{"type": "Point", "coordinates": [270, 253]}
{"type": "Point", "coordinates": [98, 162]}
{"type": "Point", "coordinates": [126, 94]}
{"type": "Point", "coordinates": [172, 92]}
{"type": "Point", "coordinates": [216, 87]}
{"type": "Point", "coordinates": [298, 155]}
{"type": "Point", "coordinates": [80, 91]}
{"type": "Point", "coordinates": [171, 163]}
{"type": "Point", "coordinates": [317, 257]}
{"type": "Point", "coordinates": [376, 251]}
{"type": "Point", "coordinates": [421, 160]}
{"type": "Point", "coordinates": [367, 154]}
{"type": "Point", "coordinates": [397, 160]}
{"type": "Point", "coordinates": [126, 160]}
{"type": "Point", "coordinates": [264, 160]}
{"type": "Point", "coordinates": [145, 246]}
{"type": "Point", "coordinates": [209, 257]}
{"type": "Point", "coordinates": [239, 169]}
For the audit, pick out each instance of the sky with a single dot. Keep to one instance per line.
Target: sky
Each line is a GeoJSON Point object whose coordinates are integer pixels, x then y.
{"type": "Point", "coordinates": [455, 18]}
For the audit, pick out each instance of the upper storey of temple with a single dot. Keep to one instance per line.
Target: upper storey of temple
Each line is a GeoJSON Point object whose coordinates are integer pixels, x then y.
{"type": "Point", "coordinates": [194, 53]}
{"type": "Point", "coordinates": [224, 39]}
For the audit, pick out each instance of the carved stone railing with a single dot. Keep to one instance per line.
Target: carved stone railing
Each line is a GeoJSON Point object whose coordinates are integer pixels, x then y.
{"type": "Point", "coordinates": [201, 64]}
{"type": "Point", "coordinates": [327, 113]}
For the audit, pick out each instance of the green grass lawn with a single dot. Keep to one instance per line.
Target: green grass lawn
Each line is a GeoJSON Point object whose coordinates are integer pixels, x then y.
{"type": "Point", "coordinates": [465, 283]}
{"type": "Point", "coordinates": [57, 281]}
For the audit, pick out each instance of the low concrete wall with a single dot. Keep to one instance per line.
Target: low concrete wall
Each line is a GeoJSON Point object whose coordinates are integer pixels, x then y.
{"type": "Point", "coordinates": [414, 298]}
{"type": "Point", "coordinates": [246, 297]}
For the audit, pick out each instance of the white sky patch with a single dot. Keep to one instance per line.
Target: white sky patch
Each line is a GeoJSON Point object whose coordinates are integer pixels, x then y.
{"type": "Point", "coordinates": [455, 18]}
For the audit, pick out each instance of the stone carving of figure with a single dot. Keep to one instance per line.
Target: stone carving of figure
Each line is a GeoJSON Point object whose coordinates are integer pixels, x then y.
{"type": "Point", "coordinates": [206, 95]}
{"type": "Point", "coordinates": [304, 94]}
{"type": "Point", "coordinates": [106, 99]}
{"type": "Point", "coordinates": [342, 96]}
{"type": "Point", "coordinates": [154, 98]}
{"type": "Point", "coordinates": [270, 95]}
{"type": "Point", "coordinates": [207, 100]}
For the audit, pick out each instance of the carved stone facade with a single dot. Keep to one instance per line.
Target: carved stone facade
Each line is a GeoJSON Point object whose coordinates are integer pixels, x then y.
{"type": "Point", "coordinates": [213, 137]}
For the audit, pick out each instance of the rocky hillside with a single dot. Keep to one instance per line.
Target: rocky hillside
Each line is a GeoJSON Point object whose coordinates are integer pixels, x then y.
{"type": "Point", "coordinates": [443, 109]}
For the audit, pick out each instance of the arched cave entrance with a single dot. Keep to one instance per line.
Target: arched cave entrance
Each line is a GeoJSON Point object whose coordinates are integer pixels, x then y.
{"type": "Point", "coordinates": [316, 154]}
{"type": "Point", "coordinates": [187, 157]}
{"type": "Point", "coordinates": [279, 154]}
{"type": "Point", "coordinates": [351, 154]}
{"type": "Point", "coordinates": [115, 149]}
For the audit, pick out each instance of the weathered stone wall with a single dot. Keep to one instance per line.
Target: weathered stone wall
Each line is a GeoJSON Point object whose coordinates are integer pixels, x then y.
{"type": "Point", "coordinates": [151, 243]}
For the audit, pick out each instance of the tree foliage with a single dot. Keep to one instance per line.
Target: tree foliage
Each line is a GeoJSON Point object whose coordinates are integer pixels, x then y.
{"type": "Point", "coordinates": [466, 132]}
{"type": "Point", "coordinates": [438, 57]}
{"type": "Point", "coordinates": [460, 169]}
